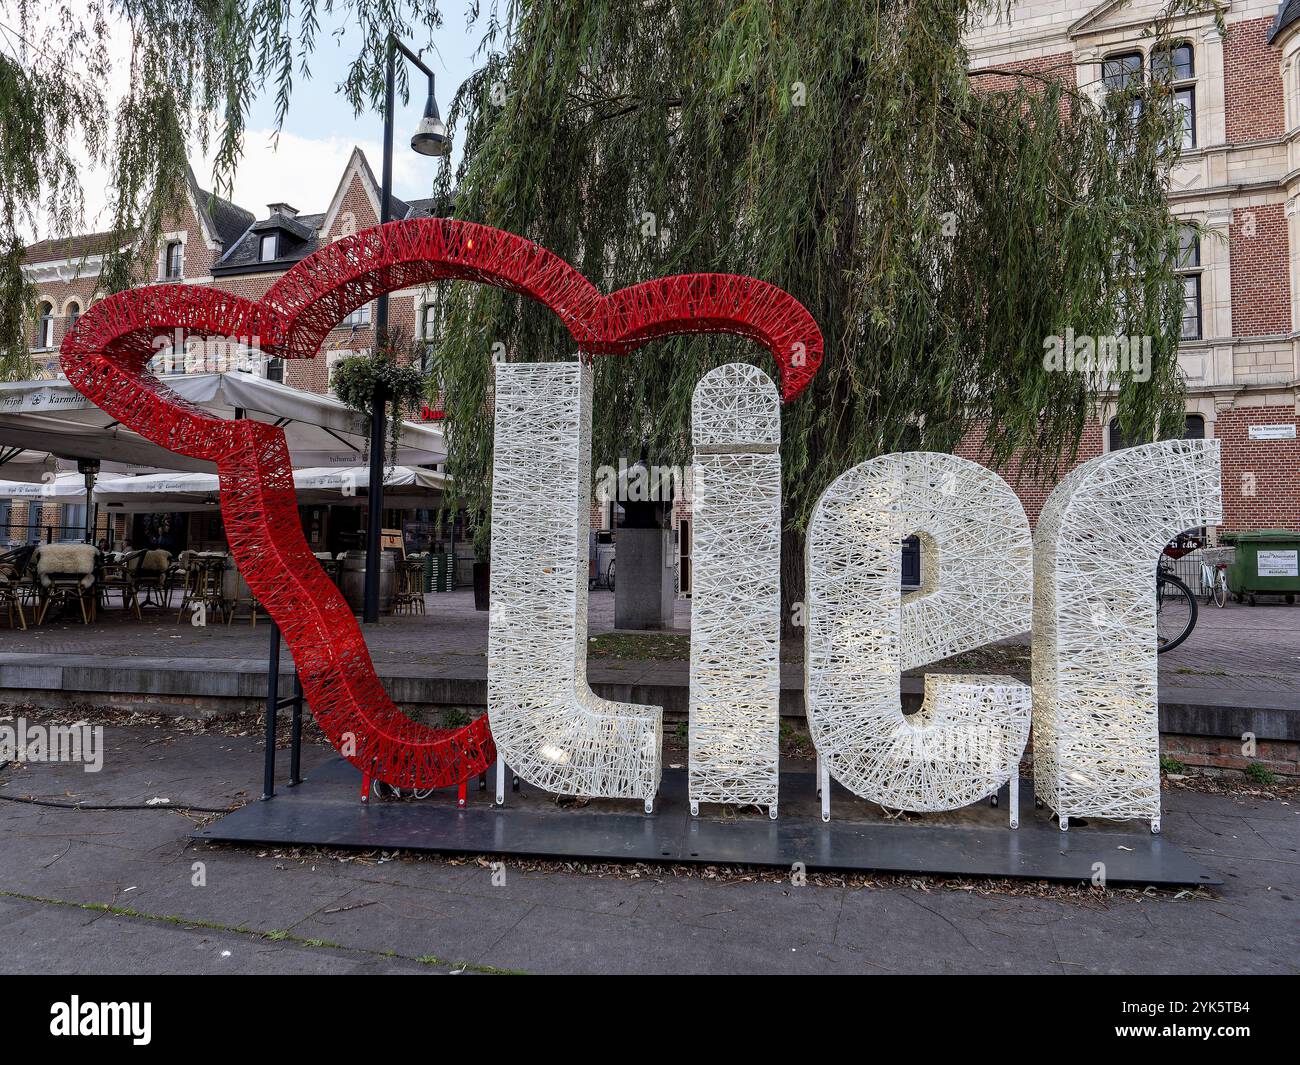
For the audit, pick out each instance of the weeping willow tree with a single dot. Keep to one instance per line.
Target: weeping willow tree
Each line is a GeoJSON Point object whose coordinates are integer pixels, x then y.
{"type": "Point", "coordinates": [938, 230]}
{"type": "Point", "coordinates": [189, 71]}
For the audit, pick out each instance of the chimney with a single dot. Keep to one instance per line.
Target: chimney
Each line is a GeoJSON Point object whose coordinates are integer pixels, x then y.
{"type": "Point", "coordinates": [288, 210]}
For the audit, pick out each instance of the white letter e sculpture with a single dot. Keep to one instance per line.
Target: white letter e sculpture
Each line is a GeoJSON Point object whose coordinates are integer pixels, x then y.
{"type": "Point", "coordinates": [966, 740]}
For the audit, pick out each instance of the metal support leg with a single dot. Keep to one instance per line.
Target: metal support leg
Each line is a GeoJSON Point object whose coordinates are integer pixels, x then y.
{"type": "Point", "coordinates": [501, 779]}
{"type": "Point", "coordinates": [824, 781]}
{"type": "Point", "coordinates": [295, 742]}
{"type": "Point", "coordinates": [1013, 797]}
{"type": "Point", "coordinates": [1155, 825]}
{"type": "Point", "coordinates": [272, 706]}
{"type": "Point", "coordinates": [819, 775]}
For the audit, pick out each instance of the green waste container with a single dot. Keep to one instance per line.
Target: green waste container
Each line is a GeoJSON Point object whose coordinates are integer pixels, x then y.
{"type": "Point", "coordinates": [1267, 562]}
{"type": "Point", "coordinates": [440, 576]}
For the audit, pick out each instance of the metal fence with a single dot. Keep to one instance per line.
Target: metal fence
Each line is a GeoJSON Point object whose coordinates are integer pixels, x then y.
{"type": "Point", "coordinates": [16, 534]}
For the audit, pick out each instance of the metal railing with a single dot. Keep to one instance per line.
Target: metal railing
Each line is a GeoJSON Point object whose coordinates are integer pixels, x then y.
{"type": "Point", "coordinates": [16, 534]}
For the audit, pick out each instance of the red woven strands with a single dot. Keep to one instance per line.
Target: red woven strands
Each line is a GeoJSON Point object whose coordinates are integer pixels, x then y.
{"type": "Point", "coordinates": [106, 358]}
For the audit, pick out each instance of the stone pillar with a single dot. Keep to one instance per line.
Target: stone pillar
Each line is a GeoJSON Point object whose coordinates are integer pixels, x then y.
{"type": "Point", "coordinates": [644, 588]}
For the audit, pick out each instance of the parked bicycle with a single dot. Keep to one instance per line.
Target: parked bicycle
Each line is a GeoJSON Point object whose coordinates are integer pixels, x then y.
{"type": "Point", "coordinates": [1214, 582]}
{"type": "Point", "coordinates": [1176, 608]}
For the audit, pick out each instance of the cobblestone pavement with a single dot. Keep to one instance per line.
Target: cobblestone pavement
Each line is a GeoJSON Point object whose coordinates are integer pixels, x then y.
{"type": "Point", "coordinates": [126, 891]}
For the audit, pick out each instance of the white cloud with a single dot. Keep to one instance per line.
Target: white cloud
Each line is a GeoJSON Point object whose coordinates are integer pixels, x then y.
{"type": "Point", "coordinates": [302, 171]}
{"type": "Point", "coordinates": [305, 171]}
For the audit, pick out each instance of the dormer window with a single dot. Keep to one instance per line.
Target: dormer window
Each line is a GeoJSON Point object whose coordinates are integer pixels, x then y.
{"type": "Point", "coordinates": [266, 247]}
{"type": "Point", "coordinates": [173, 260]}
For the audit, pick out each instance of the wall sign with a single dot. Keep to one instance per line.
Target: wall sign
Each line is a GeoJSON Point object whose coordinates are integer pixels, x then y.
{"type": "Point", "coordinates": [1277, 563]}
{"type": "Point", "coordinates": [1272, 432]}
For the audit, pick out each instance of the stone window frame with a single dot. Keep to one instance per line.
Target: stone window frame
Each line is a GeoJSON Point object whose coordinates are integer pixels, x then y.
{"type": "Point", "coordinates": [170, 240]}
{"type": "Point", "coordinates": [1145, 54]}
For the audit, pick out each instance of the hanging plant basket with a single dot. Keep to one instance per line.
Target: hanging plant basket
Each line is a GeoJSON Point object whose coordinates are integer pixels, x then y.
{"type": "Point", "coordinates": [359, 379]}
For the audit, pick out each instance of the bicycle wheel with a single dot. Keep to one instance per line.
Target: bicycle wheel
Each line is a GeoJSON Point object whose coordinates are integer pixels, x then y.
{"type": "Point", "coordinates": [609, 575]}
{"type": "Point", "coordinates": [1175, 612]}
{"type": "Point", "coordinates": [1220, 589]}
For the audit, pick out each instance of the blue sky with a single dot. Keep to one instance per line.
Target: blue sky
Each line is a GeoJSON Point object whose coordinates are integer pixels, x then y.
{"type": "Point", "coordinates": [318, 113]}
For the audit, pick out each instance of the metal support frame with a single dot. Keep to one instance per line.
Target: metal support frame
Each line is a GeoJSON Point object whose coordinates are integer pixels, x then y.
{"type": "Point", "coordinates": [274, 704]}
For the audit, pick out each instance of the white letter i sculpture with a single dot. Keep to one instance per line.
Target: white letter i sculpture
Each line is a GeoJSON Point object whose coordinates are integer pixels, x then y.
{"type": "Point", "coordinates": [736, 589]}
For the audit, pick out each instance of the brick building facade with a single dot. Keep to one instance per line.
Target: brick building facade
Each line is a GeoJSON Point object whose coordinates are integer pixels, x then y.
{"type": "Point", "coordinates": [1239, 179]}
{"type": "Point", "coordinates": [216, 243]}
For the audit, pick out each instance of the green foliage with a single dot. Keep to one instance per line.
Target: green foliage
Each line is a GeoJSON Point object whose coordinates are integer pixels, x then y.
{"type": "Point", "coordinates": [1260, 773]}
{"type": "Point", "coordinates": [938, 234]}
{"type": "Point", "coordinates": [359, 379]}
{"type": "Point", "coordinates": [193, 68]}
{"type": "Point", "coordinates": [1171, 764]}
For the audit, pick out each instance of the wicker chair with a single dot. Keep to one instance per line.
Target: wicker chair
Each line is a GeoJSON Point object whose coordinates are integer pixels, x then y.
{"type": "Point", "coordinates": [243, 598]}
{"type": "Point", "coordinates": [66, 572]}
{"type": "Point", "coordinates": [203, 589]}
{"type": "Point", "coordinates": [13, 568]}
{"type": "Point", "coordinates": [150, 571]}
{"type": "Point", "coordinates": [117, 577]}
{"type": "Point", "coordinates": [408, 596]}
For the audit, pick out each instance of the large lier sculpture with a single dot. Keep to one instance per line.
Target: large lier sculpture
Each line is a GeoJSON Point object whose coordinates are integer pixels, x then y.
{"type": "Point", "coordinates": [106, 357]}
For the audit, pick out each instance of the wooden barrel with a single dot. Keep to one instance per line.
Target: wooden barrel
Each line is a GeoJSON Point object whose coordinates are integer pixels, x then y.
{"type": "Point", "coordinates": [353, 582]}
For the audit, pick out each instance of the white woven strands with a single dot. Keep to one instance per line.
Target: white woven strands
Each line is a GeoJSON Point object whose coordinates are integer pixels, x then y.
{"type": "Point", "coordinates": [736, 592]}
{"type": "Point", "coordinates": [1096, 733]}
{"type": "Point", "coordinates": [967, 739]}
{"type": "Point", "coordinates": [548, 725]}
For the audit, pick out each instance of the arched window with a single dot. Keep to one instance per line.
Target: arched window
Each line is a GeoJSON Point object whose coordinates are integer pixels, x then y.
{"type": "Point", "coordinates": [173, 265]}
{"type": "Point", "coordinates": [45, 326]}
{"type": "Point", "coordinates": [1120, 71]}
{"type": "Point", "coordinates": [73, 312]}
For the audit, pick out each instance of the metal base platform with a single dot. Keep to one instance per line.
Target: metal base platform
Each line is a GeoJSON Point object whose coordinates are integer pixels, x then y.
{"type": "Point", "coordinates": [325, 810]}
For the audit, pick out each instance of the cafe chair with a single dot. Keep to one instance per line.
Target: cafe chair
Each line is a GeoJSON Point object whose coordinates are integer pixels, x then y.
{"type": "Point", "coordinates": [203, 588]}
{"type": "Point", "coordinates": [66, 573]}
{"type": "Point", "coordinates": [116, 577]}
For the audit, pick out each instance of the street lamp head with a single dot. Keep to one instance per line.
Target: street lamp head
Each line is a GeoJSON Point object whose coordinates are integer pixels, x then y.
{"type": "Point", "coordinates": [430, 136]}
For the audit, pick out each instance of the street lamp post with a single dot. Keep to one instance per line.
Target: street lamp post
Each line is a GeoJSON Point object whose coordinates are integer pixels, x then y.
{"type": "Point", "coordinates": [430, 139]}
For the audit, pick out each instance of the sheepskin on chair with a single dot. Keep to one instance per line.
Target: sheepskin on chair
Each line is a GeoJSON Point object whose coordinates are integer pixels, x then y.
{"type": "Point", "coordinates": [153, 562]}
{"type": "Point", "coordinates": [73, 560]}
